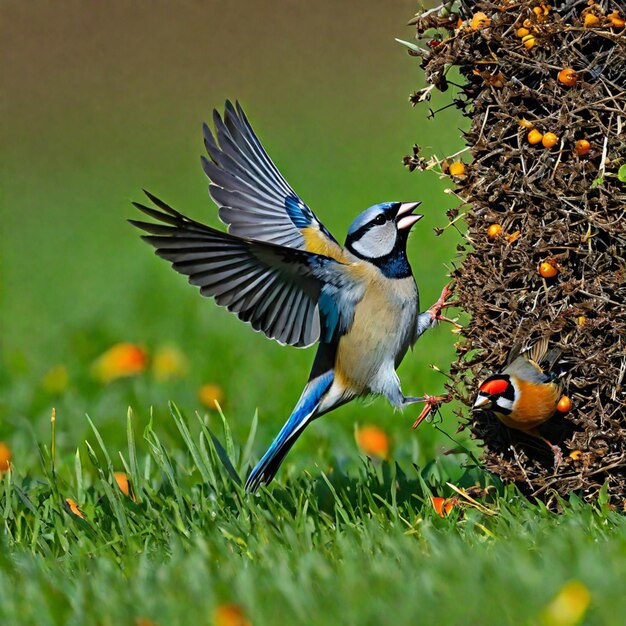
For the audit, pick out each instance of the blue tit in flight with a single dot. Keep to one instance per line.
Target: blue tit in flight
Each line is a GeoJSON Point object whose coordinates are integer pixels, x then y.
{"type": "Point", "coordinates": [281, 271]}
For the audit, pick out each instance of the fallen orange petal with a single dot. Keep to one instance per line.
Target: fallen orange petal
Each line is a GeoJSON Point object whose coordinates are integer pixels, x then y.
{"type": "Point", "coordinates": [144, 621]}
{"type": "Point", "coordinates": [169, 362]}
{"type": "Point", "coordinates": [230, 615]}
{"type": "Point", "coordinates": [211, 395]}
{"type": "Point", "coordinates": [122, 482]}
{"type": "Point", "coordinates": [443, 506]}
{"type": "Point", "coordinates": [5, 457]}
{"type": "Point", "coordinates": [120, 360]}
{"type": "Point", "coordinates": [73, 508]}
{"type": "Point", "coordinates": [568, 607]}
{"type": "Point", "coordinates": [373, 441]}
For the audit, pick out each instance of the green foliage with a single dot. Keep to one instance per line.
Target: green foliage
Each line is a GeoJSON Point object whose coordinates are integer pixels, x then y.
{"type": "Point", "coordinates": [324, 548]}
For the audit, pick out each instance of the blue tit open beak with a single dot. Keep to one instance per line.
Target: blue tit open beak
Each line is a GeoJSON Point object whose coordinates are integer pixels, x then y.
{"type": "Point", "coordinates": [405, 218]}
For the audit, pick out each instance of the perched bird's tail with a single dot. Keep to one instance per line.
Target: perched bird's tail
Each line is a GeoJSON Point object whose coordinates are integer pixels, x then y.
{"type": "Point", "coordinates": [304, 412]}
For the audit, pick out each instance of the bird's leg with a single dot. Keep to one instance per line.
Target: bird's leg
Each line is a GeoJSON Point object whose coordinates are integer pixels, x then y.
{"type": "Point", "coordinates": [442, 303]}
{"type": "Point", "coordinates": [431, 403]}
{"type": "Point", "coordinates": [556, 451]}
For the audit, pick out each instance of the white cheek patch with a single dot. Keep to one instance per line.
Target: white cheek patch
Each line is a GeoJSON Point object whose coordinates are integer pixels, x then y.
{"type": "Point", "coordinates": [504, 404]}
{"type": "Point", "coordinates": [377, 241]}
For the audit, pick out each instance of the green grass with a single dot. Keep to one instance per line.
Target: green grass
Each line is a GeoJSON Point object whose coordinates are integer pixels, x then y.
{"type": "Point", "coordinates": [360, 545]}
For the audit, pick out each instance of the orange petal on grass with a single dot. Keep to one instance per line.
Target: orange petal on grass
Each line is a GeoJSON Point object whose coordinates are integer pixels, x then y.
{"type": "Point", "coordinates": [144, 621]}
{"type": "Point", "coordinates": [120, 360]}
{"type": "Point", "coordinates": [5, 457]}
{"type": "Point", "coordinates": [568, 607]}
{"type": "Point", "coordinates": [443, 506]}
{"type": "Point", "coordinates": [169, 362]}
{"type": "Point", "coordinates": [123, 483]}
{"type": "Point", "coordinates": [373, 441]}
{"type": "Point", "coordinates": [211, 395]}
{"type": "Point", "coordinates": [230, 615]}
{"type": "Point", "coordinates": [72, 507]}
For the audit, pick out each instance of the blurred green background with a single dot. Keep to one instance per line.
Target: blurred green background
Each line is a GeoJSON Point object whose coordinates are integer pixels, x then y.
{"type": "Point", "coordinates": [102, 99]}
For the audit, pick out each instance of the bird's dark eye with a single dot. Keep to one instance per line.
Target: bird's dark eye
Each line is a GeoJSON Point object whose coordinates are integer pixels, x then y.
{"type": "Point", "coordinates": [380, 219]}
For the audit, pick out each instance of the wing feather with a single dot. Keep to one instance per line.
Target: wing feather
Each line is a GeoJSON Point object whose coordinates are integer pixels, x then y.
{"type": "Point", "coordinates": [253, 197]}
{"type": "Point", "coordinates": [275, 289]}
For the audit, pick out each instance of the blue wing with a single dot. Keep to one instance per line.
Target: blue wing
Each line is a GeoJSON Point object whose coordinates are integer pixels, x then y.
{"type": "Point", "coordinates": [291, 295]}
{"type": "Point", "coordinates": [255, 200]}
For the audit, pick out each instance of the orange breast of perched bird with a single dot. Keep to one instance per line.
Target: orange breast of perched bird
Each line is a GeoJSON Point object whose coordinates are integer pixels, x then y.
{"type": "Point", "coordinates": [535, 403]}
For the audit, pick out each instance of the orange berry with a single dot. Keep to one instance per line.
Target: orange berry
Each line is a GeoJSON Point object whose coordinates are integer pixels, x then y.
{"type": "Point", "coordinates": [457, 169]}
{"type": "Point", "coordinates": [211, 395]}
{"type": "Point", "coordinates": [522, 32]}
{"type": "Point", "coordinates": [581, 147]}
{"type": "Point", "coordinates": [549, 140]}
{"type": "Point", "coordinates": [480, 21]}
{"type": "Point", "coordinates": [564, 405]}
{"type": "Point", "coordinates": [616, 20]}
{"type": "Point", "coordinates": [591, 20]}
{"type": "Point", "coordinates": [568, 77]}
{"type": "Point", "coordinates": [534, 136]}
{"type": "Point", "coordinates": [529, 41]}
{"type": "Point", "coordinates": [373, 441]}
{"type": "Point", "coordinates": [5, 457]}
{"type": "Point", "coordinates": [494, 231]}
{"type": "Point", "coordinates": [547, 270]}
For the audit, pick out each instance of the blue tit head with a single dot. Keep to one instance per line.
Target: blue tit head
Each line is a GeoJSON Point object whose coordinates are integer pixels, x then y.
{"type": "Point", "coordinates": [379, 235]}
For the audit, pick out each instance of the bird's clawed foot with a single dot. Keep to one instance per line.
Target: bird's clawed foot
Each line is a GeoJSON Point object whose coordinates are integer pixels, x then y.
{"type": "Point", "coordinates": [443, 303]}
{"type": "Point", "coordinates": [556, 451]}
{"type": "Point", "coordinates": [432, 403]}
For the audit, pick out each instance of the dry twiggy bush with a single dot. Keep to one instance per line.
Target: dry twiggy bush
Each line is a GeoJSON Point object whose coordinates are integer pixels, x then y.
{"type": "Point", "coordinates": [564, 204]}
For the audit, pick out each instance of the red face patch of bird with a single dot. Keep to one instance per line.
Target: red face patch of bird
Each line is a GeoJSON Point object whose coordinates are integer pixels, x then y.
{"type": "Point", "coordinates": [494, 387]}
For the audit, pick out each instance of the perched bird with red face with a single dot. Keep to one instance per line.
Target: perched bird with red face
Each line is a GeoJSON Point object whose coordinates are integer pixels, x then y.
{"type": "Point", "coordinates": [526, 393]}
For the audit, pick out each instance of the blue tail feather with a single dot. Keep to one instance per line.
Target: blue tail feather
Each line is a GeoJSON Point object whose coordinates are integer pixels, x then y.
{"type": "Point", "coordinates": [302, 414]}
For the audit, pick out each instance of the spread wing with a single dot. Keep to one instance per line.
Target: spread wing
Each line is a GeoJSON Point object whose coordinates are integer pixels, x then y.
{"type": "Point", "coordinates": [253, 197]}
{"type": "Point", "coordinates": [291, 295]}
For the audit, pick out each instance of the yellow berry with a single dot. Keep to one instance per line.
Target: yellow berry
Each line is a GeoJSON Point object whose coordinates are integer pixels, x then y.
{"type": "Point", "coordinates": [522, 32]}
{"type": "Point", "coordinates": [529, 41]}
{"type": "Point", "coordinates": [616, 20]}
{"type": "Point", "coordinates": [494, 231]}
{"type": "Point", "coordinates": [457, 169]}
{"type": "Point", "coordinates": [581, 147]}
{"type": "Point", "coordinates": [480, 21]}
{"type": "Point", "coordinates": [547, 270]}
{"type": "Point", "coordinates": [534, 137]}
{"type": "Point", "coordinates": [549, 140]}
{"type": "Point", "coordinates": [568, 77]}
